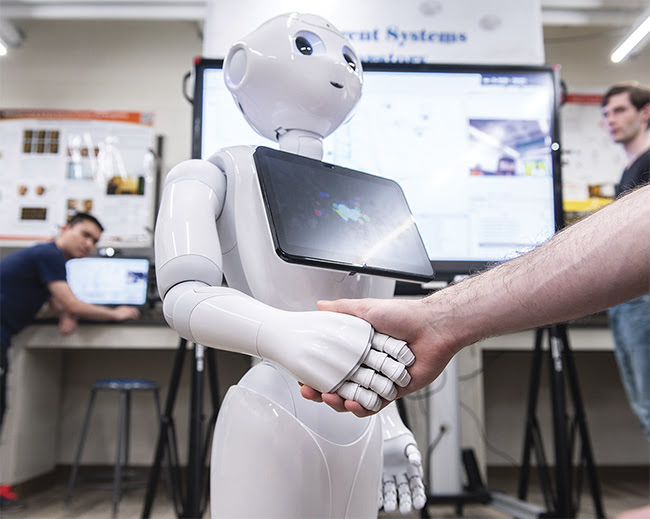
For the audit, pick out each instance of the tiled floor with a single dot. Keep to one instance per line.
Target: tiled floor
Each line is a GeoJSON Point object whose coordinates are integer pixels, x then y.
{"type": "Point", "coordinates": [620, 492]}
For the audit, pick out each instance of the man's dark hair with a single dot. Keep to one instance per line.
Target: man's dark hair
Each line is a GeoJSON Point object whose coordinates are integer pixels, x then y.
{"type": "Point", "coordinates": [639, 94]}
{"type": "Point", "coordinates": [84, 217]}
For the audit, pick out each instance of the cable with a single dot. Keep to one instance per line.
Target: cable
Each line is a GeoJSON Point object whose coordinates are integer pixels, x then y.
{"type": "Point", "coordinates": [489, 446]}
{"type": "Point", "coordinates": [186, 78]}
{"type": "Point", "coordinates": [432, 446]}
{"type": "Point", "coordinates": [472, 374]}
{"type": "Point", "coordinates": [423, 395]}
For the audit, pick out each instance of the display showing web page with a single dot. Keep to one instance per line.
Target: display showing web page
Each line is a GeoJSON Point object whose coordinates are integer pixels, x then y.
{"type": "Point", "coordinates": [472, 152]}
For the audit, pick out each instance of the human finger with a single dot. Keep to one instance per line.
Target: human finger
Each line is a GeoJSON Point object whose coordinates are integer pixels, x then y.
{"type": "Point", "coordinates": [310, 393]}
{"type": "Point", "coordinates": [334, 401]}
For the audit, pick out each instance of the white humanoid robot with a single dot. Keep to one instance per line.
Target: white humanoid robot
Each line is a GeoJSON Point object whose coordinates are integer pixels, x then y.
{"type": "Point", "coordinates": [275, 454]}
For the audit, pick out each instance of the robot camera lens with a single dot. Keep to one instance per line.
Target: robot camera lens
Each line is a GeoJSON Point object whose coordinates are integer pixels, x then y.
{"type": "Point", "coordinates": [303, 46]}
{"type": "Point", "coordinates": [350, 61]}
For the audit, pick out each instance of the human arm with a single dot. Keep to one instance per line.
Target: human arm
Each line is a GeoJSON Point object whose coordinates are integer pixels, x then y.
{"type": "Point", "coordinates": [67, 323]}
{"type": "Point", "coordinates": [599, 262]}
{"type": "Point", "coordinates": [64, 299]}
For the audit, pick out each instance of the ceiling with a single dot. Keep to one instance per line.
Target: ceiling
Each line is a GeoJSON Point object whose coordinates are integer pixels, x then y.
{"type": "Point", "coordinates": [612, 13]}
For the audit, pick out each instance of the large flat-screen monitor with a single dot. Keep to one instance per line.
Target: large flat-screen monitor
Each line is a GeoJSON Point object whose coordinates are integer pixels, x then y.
{"type": "Point", "coordinates": [475, 149]}
{"type": "Point", "coordinates": [109, 281]}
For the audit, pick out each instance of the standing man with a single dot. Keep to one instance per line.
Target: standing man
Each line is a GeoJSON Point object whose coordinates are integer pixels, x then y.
{"type": "Point", "coordinates": [32, 276]}
{"type": "Point", "coordinates": [626, 111]}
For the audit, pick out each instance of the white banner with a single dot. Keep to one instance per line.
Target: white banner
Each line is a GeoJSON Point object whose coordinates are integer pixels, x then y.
{"type": "Point", "coordinates": [408, 31]}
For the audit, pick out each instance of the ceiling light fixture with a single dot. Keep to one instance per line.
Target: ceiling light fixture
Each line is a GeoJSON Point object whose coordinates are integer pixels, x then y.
{"type": "Point", "coordinates": [10, 36]}
{"type": "Point", "coordinates": [629, 43]}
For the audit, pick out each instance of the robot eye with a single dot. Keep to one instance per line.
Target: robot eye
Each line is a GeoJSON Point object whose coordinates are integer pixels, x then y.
{"type": "Point", "coordinates": [309, 43]}
{"type": "Point", "coordinates": [350, 61]}
{"type": "Point", "coordinates": [350, 58]}
{"type": "Point", "coordinates": [303, 46]}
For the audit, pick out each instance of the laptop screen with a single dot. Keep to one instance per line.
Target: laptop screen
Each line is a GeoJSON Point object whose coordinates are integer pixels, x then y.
{"type": "Point", "coordinates": [109, 281]}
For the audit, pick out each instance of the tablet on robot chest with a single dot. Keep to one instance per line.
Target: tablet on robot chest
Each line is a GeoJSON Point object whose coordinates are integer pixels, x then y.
{"type": "Point", "coordinates": [338, 218]}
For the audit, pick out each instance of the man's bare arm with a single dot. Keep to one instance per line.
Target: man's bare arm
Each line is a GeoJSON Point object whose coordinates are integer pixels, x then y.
{"type": "Point", "coordinates": [64, 298]}
{"type": "Point", "coordinates": [590, 266]}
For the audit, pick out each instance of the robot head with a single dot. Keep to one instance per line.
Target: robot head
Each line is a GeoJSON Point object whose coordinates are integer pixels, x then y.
{"type": "Point", "coordinates": [294, 72]}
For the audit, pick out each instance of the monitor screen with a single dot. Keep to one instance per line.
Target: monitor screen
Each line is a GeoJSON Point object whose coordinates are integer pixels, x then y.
{"type": "Point", "coordinates": [474, 148]}
{"type": "Point", "coordinates": [109, 281]}
{"type": "Point", "coordinates": [326, 215]}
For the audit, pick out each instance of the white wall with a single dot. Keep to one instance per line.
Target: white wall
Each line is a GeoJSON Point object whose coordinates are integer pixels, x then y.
{"type": "Point", "coordinates": [584, 54]}
{"type": "Point", "coordinates": [106, 65]}
{"type": "Point", "coordinates": [139, 65]}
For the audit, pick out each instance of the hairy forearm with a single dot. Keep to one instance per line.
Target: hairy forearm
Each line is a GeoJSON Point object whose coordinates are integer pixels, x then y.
{"type": "Point", "coordinates": [590, 266]}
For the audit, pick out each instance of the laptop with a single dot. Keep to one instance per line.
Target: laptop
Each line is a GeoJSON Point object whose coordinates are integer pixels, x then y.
{"type": "Point", "coordinates": [109, 281]}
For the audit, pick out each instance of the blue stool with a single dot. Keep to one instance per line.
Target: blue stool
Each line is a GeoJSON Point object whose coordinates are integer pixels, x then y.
{"type": "Point", "coordinates": [125, 387]}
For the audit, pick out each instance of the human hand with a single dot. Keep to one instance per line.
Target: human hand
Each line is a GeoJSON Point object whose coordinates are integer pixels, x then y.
{"type": "Point", "coordinates": [67, 323]}
{"type": "Point", "coordinates": [122, 313]}
{"type": "Point", "coordinates": [402, 475]}
{"type": "Point", "coordinates": [411, 321]}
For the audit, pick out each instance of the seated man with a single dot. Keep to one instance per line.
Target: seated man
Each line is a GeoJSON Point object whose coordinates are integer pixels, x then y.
{"type": "Point", "coordinates": [31, 276]}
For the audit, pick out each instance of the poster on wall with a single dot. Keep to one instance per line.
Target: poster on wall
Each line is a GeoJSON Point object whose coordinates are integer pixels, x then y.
{"type": "Point", "coordinates": [54, 163]}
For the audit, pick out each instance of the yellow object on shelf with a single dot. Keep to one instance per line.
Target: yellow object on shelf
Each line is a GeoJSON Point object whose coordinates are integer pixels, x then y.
{"type": "Point", "coordinates": [585, 206]}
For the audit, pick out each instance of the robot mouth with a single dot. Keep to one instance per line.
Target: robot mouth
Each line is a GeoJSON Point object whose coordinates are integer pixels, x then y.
{"type": "Point", "coordinates": [336, 85]}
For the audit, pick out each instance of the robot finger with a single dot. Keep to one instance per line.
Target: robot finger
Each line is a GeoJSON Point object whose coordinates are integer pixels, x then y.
{"type": "Point", "coordinates": [389, 367]}
{"type": "Point", "coordinates": [413, 455]}
{"type": "Point", "coordinates": [393, 347]}
{"type": "Point", "coordinates": [375, 382]}
{"type": "Point", "coordinates": [403, 494]}
{"type": "Point", "coordinates": [380, 497]}
{"type": "Point", "coordinates": [353, 391]}
{"type": "Point", "coordinates": [390, 494]}
{"type": "Point", "coordinates": [418, 495]}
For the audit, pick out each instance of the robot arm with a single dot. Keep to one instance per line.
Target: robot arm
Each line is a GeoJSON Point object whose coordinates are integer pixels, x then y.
{"type": "Point", "coordinates": [402, 475]}
{"type": "Point", "coordinates": [330, 352]}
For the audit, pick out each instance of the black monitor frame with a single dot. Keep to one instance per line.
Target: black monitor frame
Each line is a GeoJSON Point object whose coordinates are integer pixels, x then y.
{"type": "Point", "coordinates": [445, 270]}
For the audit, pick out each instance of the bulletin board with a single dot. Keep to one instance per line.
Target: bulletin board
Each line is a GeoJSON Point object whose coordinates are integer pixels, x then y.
{"type": "Point", "coordinates": [54, 163]}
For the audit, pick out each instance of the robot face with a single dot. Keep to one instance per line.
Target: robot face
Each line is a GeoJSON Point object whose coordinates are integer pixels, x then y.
{"type": "Point", "coordinates": [296, 71]}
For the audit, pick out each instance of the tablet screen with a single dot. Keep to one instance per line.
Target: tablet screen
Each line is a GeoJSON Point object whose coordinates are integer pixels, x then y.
{"type": "Point", "coordinates": [325, 215]}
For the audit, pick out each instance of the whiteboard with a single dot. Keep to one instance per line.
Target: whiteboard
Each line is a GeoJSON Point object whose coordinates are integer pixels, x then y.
{"type": "Point", "coordinates": [54, 163]}
{"type": "Point", "coordinates": [590, 156]}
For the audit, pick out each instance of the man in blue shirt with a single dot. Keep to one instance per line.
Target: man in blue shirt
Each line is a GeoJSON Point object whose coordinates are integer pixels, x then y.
{"type": "Point", "coordinates": [32, 276]}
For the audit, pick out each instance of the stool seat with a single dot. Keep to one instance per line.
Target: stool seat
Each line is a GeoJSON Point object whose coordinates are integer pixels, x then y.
{"type": "Point", "coordinates": [124, 384]}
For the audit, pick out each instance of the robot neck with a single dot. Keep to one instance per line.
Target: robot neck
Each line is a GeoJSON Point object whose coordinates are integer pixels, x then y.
{"type": "Point", "coordinates": [301, 142]}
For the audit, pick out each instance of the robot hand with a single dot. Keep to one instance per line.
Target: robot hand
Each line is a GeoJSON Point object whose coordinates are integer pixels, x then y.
{"type": "Point", "coordinates": [402, 475]}
{"type": "Point", "coordinates": [331, 352]}
{"type": "Point", "coordinates": [367, 384]}
{"type": "Point", "coordinates": [337, 353]}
